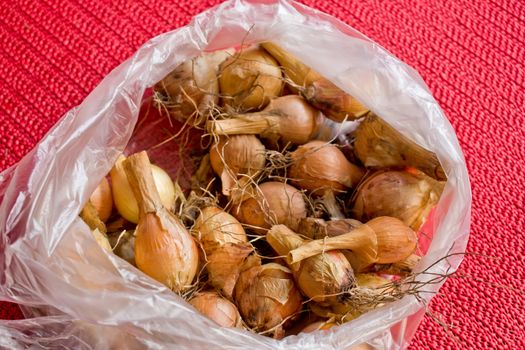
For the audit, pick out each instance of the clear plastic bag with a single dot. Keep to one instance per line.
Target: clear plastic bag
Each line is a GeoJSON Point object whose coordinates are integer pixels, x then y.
{"type": "Point", "coordinates": [90, 299]}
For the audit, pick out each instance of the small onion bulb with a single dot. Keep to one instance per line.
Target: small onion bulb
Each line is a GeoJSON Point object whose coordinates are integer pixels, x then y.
{"type": "Point", "coordinates": [216, 308]}
{"type": "Point", "coordinates": [267, 297]}
{"type": "Point", "coordinates": [125, 200]}
{"type": "Point", "coordinates": [273, 203]}
{"type": "Point", "coordinates": [320, 166]}
{"type": "Point", "coordinates": [102, 200]}
{"type": "Point", "coordinates": [249, 79]}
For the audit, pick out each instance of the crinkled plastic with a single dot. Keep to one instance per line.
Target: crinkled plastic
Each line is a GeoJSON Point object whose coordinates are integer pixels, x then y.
{"type": "Point", "coordinates": [78, 296]}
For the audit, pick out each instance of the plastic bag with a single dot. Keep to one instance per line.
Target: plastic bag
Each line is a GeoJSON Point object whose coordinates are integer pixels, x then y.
{"type": "Point", "coordinates": [90, 299]}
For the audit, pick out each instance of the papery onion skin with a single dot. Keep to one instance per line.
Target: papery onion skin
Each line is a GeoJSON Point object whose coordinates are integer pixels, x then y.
{"type": "Point", "coordinates": [226, 247]}
{"type": "Point", "coordinates": [125, 200]}
{"type": "Point", "coordinates": [242, 155]}
{"type": "Point", "coordinates": [319, 166]}
{"type": "Point", "coordinates": [249, 79]}
{"type": "Point", "coordinates": [267, 298]}
{"type": "Point", "coordinates": [274, 203]}
{"type": "Point", "coordinates": [407, 196]}
{"type": "Point", "coordinates": [395, 240]}
{"type": "Point", "coordinates": [216, 308]}
{"type": "Point", "coordinates": [192, 88]}
{"type": "Point", "coordinates": [102, 200]}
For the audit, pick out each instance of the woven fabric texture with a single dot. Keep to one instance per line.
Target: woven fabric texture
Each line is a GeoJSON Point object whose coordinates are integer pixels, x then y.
{"type": "Point", "coordinates": [471, 54]}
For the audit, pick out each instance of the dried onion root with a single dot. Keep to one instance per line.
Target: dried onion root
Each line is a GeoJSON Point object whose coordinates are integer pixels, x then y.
{"type": "Point", "coordinates": [191, 90]}
{"type": "Point", "coordinates": [217, 309]}
{"type": "Point", "coordinates": [249, 79]}
{"type": "Point", "coordinates": [236, 156]}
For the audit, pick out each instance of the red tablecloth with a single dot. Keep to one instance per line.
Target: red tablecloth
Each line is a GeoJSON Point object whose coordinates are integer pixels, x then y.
{"type": "Point", "coordinates": [471, 54]}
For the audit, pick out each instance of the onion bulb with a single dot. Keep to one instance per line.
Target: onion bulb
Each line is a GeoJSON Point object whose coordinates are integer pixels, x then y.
{"type": "Point", "coordinates": [192, 88]}
{"type": "Point", "coordinates": [125, 200]}
{"type": "Point", "coordinates": [319, 91]}
{"type": "Point", "coordinates": [235, 156]}
{"type": "Point", "coordinates": [217, 309]}
{"type": "Point", "coordinates": [289, 119]}
{"type": "Point", "coordinates": [249, 79]}
{"type": "Point", "coordinates": [379, 145]}
{"type": "Point", "coordinates": [320, 166]}
{"type": "Point", "coordinates": [272, 203]}
{"type": "Point", "coordinates": [382, 240]}
{"type": "Point", "coordinates": [267, 298]}
{"type": "Point", "coordinates": [226, 246]}
{"type": "Point", "coordinates": [102, 200]}
{"type": "Point", "coordinates": [164, 249]}
{"type": "Point", "coordinates": [325, 278]}
{"type": "Point", "coordinates": [401, 194]}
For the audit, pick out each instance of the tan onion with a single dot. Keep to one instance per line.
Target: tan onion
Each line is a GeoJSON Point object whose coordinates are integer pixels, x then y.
{"type": "Point", "coordinates": [319, 166]}
{"type": "Point", "coordinates": [325, 277]}
{"type": "Point", "coordinates": [164, 249]}
{"type": "Point", "coordinates": [382, 240]}
{"type": "Point", "coordinates": [378, 145]}
{"type": "Point", "coordinates": [319, 91]}
{"type": "Point", "coordinates": [237, 156]}
{"type": "Point", "coordinates": [102, 200]}
{"type": "Point", "coordinates": [267, 298]}
{"type": "Point", "coordinates": [250, 79]}
{"type": "Point", "coordinates": [192, 88]}
{"type": "Point", "coordinates": [217, 309]}
{"type": "Point", "coordinates": [272, 203]}
{"type": "Point", "coordinates": [125, 200]}
{"type": "Point", "coordinates": [226, 246]}
{"type": "Point", "coordinates": [287, 119]}
{"type": "Point", "coordinates": [407, 196]}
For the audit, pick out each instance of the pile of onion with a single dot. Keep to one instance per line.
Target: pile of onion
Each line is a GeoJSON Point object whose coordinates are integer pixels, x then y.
{"type": "Point", "coordinates": [278, 231]}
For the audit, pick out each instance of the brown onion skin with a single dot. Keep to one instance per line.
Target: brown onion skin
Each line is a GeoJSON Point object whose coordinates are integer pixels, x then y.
{"type": "Point", "coordinates": [266, 296]}
{"type": "Point", "coordinates": [249, 79]}
{"type": "Point", "coordinates": [242, 154]}
{"type": "Point", "coordinates": [318, 166]}
{"type": "Point", "coordinates": [102, 200]}
{"type": "Point", "coordinates": [276, 203]}
{"type": "Point", "coordinates": [216, 308]}
{"type": "Point", "coordinates": [400, 194]}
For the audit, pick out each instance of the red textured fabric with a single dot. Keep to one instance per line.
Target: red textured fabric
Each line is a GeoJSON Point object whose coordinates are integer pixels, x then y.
{"type": "Point", "coordinates": [471, 54]}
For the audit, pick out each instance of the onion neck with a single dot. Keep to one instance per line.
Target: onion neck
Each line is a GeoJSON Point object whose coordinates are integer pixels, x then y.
{"type": "Point", "coordinates": [138, 171]}
{"type": "Point", "coordinates": [283, 240]}
{"type": "Point", "coordinates": [362, 240]}
{"type": "Point", "coordinates": [252, 124]}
